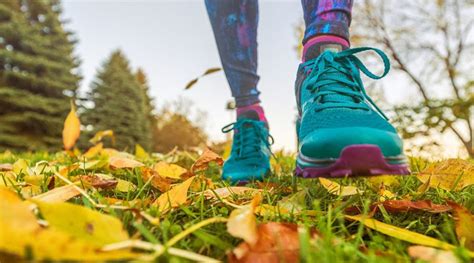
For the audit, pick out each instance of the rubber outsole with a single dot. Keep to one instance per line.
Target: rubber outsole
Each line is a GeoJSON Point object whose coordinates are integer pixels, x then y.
{"type": "Point", "coordinates": [355, 160]}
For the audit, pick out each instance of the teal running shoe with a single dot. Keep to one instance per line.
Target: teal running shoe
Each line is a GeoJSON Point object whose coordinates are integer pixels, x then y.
{"type": "Point", "coordinates": [341, 132]}
{"type": "Point", "coordinates": [250, 156]}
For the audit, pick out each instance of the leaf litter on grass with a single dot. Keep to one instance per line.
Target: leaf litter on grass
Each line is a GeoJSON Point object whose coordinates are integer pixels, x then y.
{"type": "Point", "coordinates": [115, 205]}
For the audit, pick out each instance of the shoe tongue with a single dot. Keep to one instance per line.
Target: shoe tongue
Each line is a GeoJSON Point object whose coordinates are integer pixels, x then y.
{"type": "Point", "coordinates": [315, 50]}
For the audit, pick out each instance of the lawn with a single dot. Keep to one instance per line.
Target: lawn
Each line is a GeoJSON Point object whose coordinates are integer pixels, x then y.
{"type": "Point", "coordinates": [103, 204]}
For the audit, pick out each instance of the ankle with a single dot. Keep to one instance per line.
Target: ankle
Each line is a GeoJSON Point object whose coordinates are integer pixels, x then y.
{"type": "Point", "coordinates": [254, 111]}
{"type": "Point", "coordinates": [318, 44]}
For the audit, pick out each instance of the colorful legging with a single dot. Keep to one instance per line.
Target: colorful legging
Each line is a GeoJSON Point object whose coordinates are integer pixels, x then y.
{"type": "Point", "coordinates": [234, 23]}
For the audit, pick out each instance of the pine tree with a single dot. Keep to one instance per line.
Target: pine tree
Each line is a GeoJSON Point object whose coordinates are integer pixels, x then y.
{"type": "Point", "coordinates": [37, 78]}
{"type": "Point", "coordinates": [149, 108]}
{"type": "Point", "coordinates": [119, 104]}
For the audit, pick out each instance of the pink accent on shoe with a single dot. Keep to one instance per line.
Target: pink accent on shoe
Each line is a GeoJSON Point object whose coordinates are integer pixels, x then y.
{"type": "Point", "coordinates": [256, 108]}
{"type": "Point", "coordinates": [324, 38]}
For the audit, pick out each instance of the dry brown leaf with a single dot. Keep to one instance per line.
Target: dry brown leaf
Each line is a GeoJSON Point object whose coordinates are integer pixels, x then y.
{"type": "Point", "coordinates": [464, 225]}
{"type": "Point", "coordinates": [336, 189]}
{"type": "Point", "coordinates": [72, 128]}
{"type": "Point", "coordinates": [120, 162]}
{"type": "Point", "coordinates": [408, 205]}
{"type": "Point", "coordinates": [203, 161]}
{"type": "Point", "coordinates": [432, 255]}
{"type": "Point", "coordinates": [176, 196]}
{"type": "Point", "coordinates": [243, 223]}
{"type": "Point", "coordinates": [99, 182]}
{"type": "Point", "coordinates": [6, 167]}
{"type": "Point", "coordinates": [160, 183]}
{"type": "Point", "coordinates": [276, 242]}
{"type": "Point", "coordinates": [451, 174]}
{"type": "Point", "coordinates": [173, 171]}
{"type": "Point", "coordinates": [59, 194]}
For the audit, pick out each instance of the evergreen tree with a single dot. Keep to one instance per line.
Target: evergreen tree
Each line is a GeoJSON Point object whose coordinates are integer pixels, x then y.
{"type": "Point", "coordinates": [119, 104]}
{"type": "Point", "coordinates": [149, 108]}
{"type": "Point", "coordinates": [37, 78]}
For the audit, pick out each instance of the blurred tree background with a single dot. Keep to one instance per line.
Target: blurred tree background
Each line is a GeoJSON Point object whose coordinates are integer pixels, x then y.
{"type": "Point", "coordinates": [38, 74]}
{"type": "Point", "coordinates": [431, 46]}
{"type": "Point", "coordinates": [39, 77]}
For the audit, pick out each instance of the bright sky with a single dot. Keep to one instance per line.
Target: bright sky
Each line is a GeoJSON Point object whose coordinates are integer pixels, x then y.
{"type": "Point", "coordinates": [173, 42]}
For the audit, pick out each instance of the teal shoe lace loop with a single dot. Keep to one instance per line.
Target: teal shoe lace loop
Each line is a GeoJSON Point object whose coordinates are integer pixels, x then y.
{"type": "Point", "coordinates": [249, 136]}
{"type": "Point", "coordinates": [335, 81]}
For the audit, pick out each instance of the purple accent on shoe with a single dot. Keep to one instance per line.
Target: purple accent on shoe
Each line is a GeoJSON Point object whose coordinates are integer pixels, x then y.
{"type": "Point", "coordinates": [316, 45]}
{"type": "Point", "coordinates": [255, 108]}
{"type": "Point", "coordinates": [355, 160]}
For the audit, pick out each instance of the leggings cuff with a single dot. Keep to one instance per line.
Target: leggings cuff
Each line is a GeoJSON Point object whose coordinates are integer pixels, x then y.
{"type": "Point", "coordinates": [335, 28]}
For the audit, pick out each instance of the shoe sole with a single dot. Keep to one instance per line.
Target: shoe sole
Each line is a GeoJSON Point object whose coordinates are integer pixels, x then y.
{"type": "Point", "coordinates": [355, 160]}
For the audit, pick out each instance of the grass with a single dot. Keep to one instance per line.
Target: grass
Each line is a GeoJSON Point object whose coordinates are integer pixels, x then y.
{"type": "Point", "coordinates": [343, 240]}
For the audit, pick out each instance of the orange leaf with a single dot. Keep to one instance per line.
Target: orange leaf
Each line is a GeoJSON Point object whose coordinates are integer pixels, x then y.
{"type": "Point", "coordinates": [72, 128]}
{"type": "Point", "coordinates": [464, 222]}
{"type": "Point", "coordinates": [407, 205]}
{"type": "Point", "coordinates": [203, 161]}
{"type": "Point", "coordinates": [160, 183]}
{"type": "Point", "coordinates": [277, 242]}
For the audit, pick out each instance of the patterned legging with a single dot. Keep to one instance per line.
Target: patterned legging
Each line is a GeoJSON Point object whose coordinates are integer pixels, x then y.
{"type": "Point", "coordinates": [234, 23]}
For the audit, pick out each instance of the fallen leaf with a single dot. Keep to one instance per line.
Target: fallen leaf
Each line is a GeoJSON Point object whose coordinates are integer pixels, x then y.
{"type": "Point", "coordinates": [408, 205]}
{"type": "Point", "coordinates": [72, 128]}
{"type": "Point", "coordinates": [243, 223]}
{"type": "Point", "coordinates": [24, 237]}
{"type": "Point", "coordinates": [451, 174]}
{"type": "Point", "coordinates": [464, 221]}
{"type": "Point", "coordinates": [295, 202]}
{"type": "Point", "coordinates": [122, 185]}
{"type": "Point", "coordinates": [82, 223]}
{"type": "Point", "coordinates": [432, 255]}
{"type": "Point", "coordinates": [169, 170]}
{"type": "Point", "coordinates": [276, 242]}
{"type": "Point", "coordinates": [203, 161]}
{"type": "Point", "coordinates": [226, 192]}
{"type": "Point", "coordinates": [99, 182]}
{"type": "Point", "coordinates": [119, 162]}
{"type": "Point", "coordinates": [21, 166]}
{"type": "Point", "coordinates": [6, 167]}
{"type": "Point", "coordinates": [386, 180]}
{"type": "Point", "coordinates": [160, 183]}
{"type": "Point", "coordinates": [94, 150]}
{"type": "Point", "coordinates": [336, 189]}
{"type": "Point", "coordinates": [101, 134]}
{"type": "Point", "coordinates": [140, 153]}
{"type": "Point", "coordinates": [59, 194]}
{"type": "Point", "coordinates": [401, 233]}
{"type": "Point", "coordinates": [176, 196]}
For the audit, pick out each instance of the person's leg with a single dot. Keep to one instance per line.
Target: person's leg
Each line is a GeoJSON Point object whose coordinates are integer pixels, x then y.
{"type": "Point", "coordinates": [235, 29]}
{"type": "Point", "coordinates": [327, 22]}
{"type": "Point", "coordinates": [234, 23]}
{"type": "Point", "coordinates": [341, 132]}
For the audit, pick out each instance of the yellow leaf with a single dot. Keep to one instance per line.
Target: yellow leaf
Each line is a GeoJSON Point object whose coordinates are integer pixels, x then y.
{"type": "Point", "coordinates": [101, 134]}
{"type": "Point", "coordinates": [119, 162]}
{"type": "Point", "coordinates": [82, 223]}
{"type": "Point", "coordinates": [432, 255]}
{"type": "Point", "coordinates": [94, 150]}
{"type": "Point", "coordinates": [387, 180]}
{"type": "Point", "coordinates": [243, 223]}
{"type": "Point", "coordinates": [60, 194]}
{"type": "Point", "coordinates": [21, 166]}
{"type": "Point", "coordinates": [175, 197]}
{"type": "Point", "coordinates": [464, 225]}
{"type": "Point", "coordinates": [401, 233]}
{"type": "Point", "coordinates": [225, 192]}
{"type": "Point", "coordinates": [72, 128]}
{"type": "Point", "coordinates": [21, 235]}
{"type": "Point", "coordinates": [169, 170]}
{"type": "Point", "coordinates": [336, 189]}
{"type": "Point", "coordinates": [452, 174]}
{"type": "Point", "coordinates": [140, 153]}
{"type": "Point", "coordinates": [203, 161]}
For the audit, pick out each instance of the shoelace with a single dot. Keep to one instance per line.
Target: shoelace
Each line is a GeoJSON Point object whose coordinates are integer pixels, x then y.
{"type": "Point", "coordinates": [247, 138]}
{"type": "Point", "coordinates": [335, 79]}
